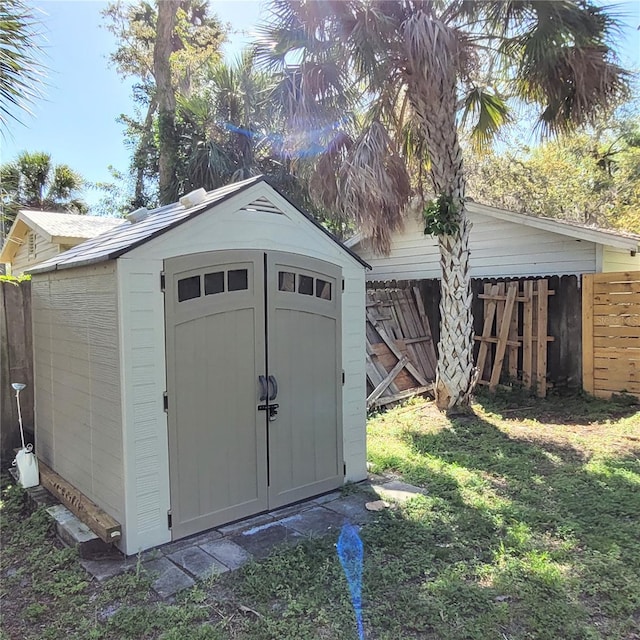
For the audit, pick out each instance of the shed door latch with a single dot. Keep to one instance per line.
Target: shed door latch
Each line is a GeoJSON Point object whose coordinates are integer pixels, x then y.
{"type": "Point", "coordinates": [162, 282]}
{"type": "Point", "coordinates": [165, 401]}
{"type": "Point", "coordinates": [169, 519]}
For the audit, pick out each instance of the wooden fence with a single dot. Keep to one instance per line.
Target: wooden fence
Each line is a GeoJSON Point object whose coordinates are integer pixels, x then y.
{"type": "Point", "coordinates": [564, 320]}
{"type": "Point", "coordinates": [611, 333]}
{"type": "Point", "coordinates": [16, 364]}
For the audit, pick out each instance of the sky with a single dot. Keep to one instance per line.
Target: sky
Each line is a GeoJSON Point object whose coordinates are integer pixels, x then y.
{"type": "Point", "coordinates": [76, 121]}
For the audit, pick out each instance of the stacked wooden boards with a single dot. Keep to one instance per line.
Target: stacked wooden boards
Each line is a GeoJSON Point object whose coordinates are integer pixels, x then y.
{"type": "Point", "coordinates": [401, 356]}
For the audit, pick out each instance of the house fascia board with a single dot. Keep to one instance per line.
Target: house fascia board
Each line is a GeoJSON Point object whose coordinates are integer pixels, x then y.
{"type": "Point", "coordinates": [597, 236]}
{"type": "Point", "coordinates": [24, 215]}
{"type": "Point", "coordinates": [13, 241]}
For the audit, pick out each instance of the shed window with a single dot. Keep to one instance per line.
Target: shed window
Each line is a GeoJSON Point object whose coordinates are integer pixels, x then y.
{"type": "Point", "coordinates": [188, 288]}
{"type": "Point", "coordinates": [238, 280]}
{"type": "Point", "coordinates": [323, 289]}
{"type": "Point", "coordinates": [286, 281]}
{"type": "Point", "coordinates": [213, 283]}
{"type": "Point", "coordinates": [305, 285]}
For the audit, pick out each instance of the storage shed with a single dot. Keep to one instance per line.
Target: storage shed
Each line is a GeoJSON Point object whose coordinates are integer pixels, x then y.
{"type": "Point", "coordinates": [202, 363]}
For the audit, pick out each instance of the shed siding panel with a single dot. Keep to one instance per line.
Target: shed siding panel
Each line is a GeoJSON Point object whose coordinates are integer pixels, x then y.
{"type": "Point", "coordinates": [77, 381]}
{"type": "Point", "coordinates": [498, 248]}
{"type": "Point", "coordinates": [142, 317]}
{"type": "Point", "coordinates": [619, 260]}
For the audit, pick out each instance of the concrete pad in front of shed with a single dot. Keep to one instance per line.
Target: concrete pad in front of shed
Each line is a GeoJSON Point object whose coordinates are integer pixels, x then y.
{"type": "Point", "coordinates": [197, 562]}
{"type": "Point", "coordinates": [318, 521]}
{"type": "Point", "coordinates": [260, 541]}
{"type": "Point", "coordinates": [247, 523]}
{"type": "Point", "coordinates": [192, 541]}
{"type": "Point", "coordinates": [327, 497]}
{"type": "Point", "coordinates": [352, 507]}
{"type": "Point", "coordinates": [398, 491]}
{"type": "Point", "coordinates": [169, 578]}
{"type": "Point", "coordinates": [227, 552]}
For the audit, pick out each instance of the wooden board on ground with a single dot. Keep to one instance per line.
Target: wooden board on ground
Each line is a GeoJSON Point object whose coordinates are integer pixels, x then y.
{"type": "Point", "coordinates": [100, 522]}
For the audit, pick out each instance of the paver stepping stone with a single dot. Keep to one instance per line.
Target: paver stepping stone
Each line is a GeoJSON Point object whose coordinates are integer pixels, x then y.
{"type": "Point", "coordinates": [249, 523]}
{"type": "Point", "coordinates": [192, 541]}
{"type": "Point", "coordinates": [227, 552]}
{"type": "Point", "coordinates": [259, 541]}
{"type": "Point", "coordinates": [398, 491]}
{"type": "Point", "coordinates": [352, 507]}
{"type": "Point", "coordinates": [197, 562]}
{"type": "Point", "coordinates": [169, 578]}
{"type": "Point", "coordinates": [104, 569]}
{"type": "Point", "coordinates": [315, 521]}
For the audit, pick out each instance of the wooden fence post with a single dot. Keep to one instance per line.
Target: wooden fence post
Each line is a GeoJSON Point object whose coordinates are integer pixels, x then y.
{"type": "Point", "coordinates": [587, 333]}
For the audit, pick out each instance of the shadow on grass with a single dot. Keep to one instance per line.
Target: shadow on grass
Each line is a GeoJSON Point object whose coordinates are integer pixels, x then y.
{"type": "Point", "coordinates": [560, 533]}
{"type": "Point", "coordinates": [558, 408]}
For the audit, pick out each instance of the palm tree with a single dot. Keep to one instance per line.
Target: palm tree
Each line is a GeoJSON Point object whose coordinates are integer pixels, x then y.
{"type": "Point", "coordinates": [33, 181]}
{"type": "Point", "coordinates": [231, 130]}
{"type": "Point", "coordinates": [20, 71]}
{"type": "Point", "coordinates": [413, 71]}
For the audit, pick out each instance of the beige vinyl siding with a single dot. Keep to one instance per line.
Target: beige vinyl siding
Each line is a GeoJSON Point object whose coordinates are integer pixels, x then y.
{"type": "Point", "coordinates": [497, 248]}
{"type": "Point", "coordinates": [225, 227]}
{"type": "Point", "coordinates": [146, 448]}
{"type": "Point", "coordinates": [43, 251]}
{"type": "Point", "coordinates": [619, 260]}
{"type": "Point", "coordinates": [77, 381]}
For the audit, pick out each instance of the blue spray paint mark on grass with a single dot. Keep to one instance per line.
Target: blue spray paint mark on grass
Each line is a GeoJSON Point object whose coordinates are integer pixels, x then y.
{"type": "Point", "coordinates": [350, 553]}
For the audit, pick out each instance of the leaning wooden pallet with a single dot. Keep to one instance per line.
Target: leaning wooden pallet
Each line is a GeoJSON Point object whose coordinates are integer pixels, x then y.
{"type": "Point", "coordinates": [514, 336]}
{"type": "Point", "coordinates": [401, 355]}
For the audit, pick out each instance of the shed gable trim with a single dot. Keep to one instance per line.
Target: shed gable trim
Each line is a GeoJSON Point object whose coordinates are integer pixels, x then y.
{"type": "Point", "coordinates": [124, 239]}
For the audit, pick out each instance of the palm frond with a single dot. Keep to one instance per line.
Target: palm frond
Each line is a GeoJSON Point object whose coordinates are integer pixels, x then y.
{"type": "Point", "coordinates": [21, 73]}
{"type": "Point", "coordinates": [486, 113]}
{"type": "Point", "coordinates": [374, 186]}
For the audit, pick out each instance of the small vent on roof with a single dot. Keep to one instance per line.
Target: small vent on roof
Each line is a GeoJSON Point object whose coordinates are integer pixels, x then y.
{"type": "Point", "coordinates": [138, 214]}
{"type": "Point", "coordinates": [193, 198]}
{"type": "Point", "coordinates": [261, 205]}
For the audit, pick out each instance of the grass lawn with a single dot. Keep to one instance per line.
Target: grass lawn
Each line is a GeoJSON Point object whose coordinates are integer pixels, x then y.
{"type": "Point", "coordinates": [530, 529]}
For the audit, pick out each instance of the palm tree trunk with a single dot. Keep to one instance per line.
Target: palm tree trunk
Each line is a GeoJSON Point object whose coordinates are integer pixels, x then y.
{"type": "Point", "coordinates": [168, 144]}
{"type": "Point", "coordinates": [455, 371]}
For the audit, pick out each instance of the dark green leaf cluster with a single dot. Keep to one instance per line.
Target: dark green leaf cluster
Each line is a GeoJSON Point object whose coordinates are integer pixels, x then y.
{"type": "Point", "coordinates": [441, 217]}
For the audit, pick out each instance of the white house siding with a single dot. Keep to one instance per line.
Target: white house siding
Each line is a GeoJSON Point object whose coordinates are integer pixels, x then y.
{"type": "Point", "coordinates": [77, 381]}
{"type": "Point", "coordinates": [497, 248]}
{"type": "Point", "coordinates": [225, 227]}
{"type": "Point", "coordinates": [619, 260]}
{"type": "Point", "coordinates": [44, 251]}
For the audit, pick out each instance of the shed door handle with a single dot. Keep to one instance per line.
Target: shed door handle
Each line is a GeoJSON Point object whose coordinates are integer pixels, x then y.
{"type": "Point", "coordinates": [274, 388]}
{"type": "Point", "coordinates": [263, 387]}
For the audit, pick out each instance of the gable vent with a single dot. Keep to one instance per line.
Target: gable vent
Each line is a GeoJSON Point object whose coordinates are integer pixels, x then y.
{"type": "Point", "coordinates": [261, 205]}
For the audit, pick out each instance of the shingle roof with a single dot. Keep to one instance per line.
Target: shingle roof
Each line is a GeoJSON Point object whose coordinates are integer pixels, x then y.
{"type": "Point", "coordinates": [127, 236]}
{"type": "Point", "coordinates": [68, 225]}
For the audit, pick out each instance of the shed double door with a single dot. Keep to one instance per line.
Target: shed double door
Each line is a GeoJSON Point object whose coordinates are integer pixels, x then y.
{"type": "Point", "coordinates": [254, 384]}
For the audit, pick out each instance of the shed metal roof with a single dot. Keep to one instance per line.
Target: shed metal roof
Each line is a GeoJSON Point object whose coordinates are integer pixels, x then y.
{"type": "Point", "coordinates": [127, 236]}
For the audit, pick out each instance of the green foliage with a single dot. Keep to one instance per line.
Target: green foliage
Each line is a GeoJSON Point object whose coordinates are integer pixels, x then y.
{"type": "Point", "coordinates": [15, 280]}
{"type": "Point", "coordinates": [33, 181]}
{"type": "Point", "coordinates": [441, 217]}
{"type": "Point", "coordinates": [197, 37]}
{"type": "Point", "coordinates": [589, 177]}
